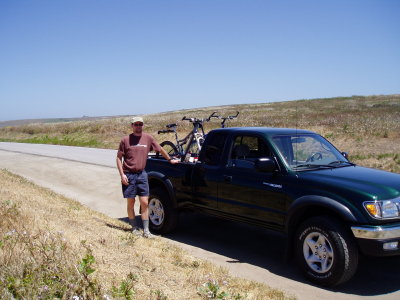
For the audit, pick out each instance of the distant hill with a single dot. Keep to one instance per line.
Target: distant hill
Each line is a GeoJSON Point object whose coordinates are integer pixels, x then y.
{"type": "Point", "coordinates": [51, 120]}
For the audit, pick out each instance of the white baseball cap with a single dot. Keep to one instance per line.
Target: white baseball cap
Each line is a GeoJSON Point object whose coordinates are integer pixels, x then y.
{"type": "Point", "coordinates": [136, 119]}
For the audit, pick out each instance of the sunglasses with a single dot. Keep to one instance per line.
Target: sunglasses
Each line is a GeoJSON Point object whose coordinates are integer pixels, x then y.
{"type": "Point", "coordinates": [137, 124]}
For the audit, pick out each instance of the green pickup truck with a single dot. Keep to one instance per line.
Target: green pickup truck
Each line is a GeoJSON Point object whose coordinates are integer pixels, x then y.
{"type": "Point", "coordinates": [287, 180]}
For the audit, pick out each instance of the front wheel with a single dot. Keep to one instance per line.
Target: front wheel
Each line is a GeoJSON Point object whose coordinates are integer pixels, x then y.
{"type": "Point", "coordinates": [169, 147]}
{"type": "Point", "coordinates": [325, 251]}
{"type": "Point", "coordinates": [163, 216]}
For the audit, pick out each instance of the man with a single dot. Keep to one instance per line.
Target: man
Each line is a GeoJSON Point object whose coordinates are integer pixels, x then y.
{"type": "Point", "coordinates": [131, 162]}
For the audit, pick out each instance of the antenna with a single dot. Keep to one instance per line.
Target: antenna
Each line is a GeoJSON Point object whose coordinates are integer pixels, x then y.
{"type": "Point", "coordinates": [297, 125]}
{"type": "Point", "coordinates": [297, 119]}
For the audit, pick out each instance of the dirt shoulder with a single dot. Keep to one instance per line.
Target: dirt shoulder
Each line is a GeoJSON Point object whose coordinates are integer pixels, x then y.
{"type": "Point", "coordinates": [161, 270]}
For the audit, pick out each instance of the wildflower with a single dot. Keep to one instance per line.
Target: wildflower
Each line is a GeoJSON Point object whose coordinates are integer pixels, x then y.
{"type": "Point", "coordinates": [76, 298]}
{"type": "Point", "coordinates": [45, 288]}
{"type": "Point", "coordinates": [106, 297]}
{"type": "Point", "coordinates": [10, 233]}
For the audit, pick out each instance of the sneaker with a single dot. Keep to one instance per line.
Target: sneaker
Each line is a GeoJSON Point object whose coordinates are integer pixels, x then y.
{"type": "Point", "coordinates": [136, 231]}
{"type": "Point", "coordinates": [148, 235]}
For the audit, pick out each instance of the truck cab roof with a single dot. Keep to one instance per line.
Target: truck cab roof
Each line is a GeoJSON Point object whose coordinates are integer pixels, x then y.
{"type": "Point", "coordinates": [270, 131]}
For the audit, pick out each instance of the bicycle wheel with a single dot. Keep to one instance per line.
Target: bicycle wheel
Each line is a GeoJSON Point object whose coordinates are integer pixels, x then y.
{"type": "Point", "coordinates": [170, 148]}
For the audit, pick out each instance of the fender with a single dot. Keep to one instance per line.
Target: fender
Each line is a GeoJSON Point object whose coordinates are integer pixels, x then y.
{"type": "Point", "coordinates": [301, 204]}
{"type": "Point", "coordinates": [163, 181]}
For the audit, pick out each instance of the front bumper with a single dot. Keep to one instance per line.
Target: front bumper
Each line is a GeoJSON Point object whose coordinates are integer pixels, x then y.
{"type": "Point", "coordinates": [371, 239]}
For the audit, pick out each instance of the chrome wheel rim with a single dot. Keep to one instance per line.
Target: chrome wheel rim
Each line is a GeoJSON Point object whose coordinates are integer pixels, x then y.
{"type": "Point", "coordinates": [318, 252]}
{"type": "Point", "coordinates": [156, 212]}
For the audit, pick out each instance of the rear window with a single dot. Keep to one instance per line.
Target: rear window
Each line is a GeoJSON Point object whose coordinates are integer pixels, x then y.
{"type": "Point", "coordinates": [213, 148]}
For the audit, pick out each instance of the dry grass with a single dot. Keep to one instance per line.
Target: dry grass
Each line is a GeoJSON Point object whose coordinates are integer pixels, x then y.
{"type": "Point", "coordinates": [366, 127]}
{"type": "Point", "coordinates": [52, 247]}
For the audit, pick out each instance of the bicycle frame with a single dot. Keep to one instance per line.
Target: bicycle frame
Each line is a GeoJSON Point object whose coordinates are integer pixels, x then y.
{"type": "Point", "coordinates": [191, 137]}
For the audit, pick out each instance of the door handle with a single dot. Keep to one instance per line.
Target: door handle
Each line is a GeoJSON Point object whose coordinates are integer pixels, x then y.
{"type": "Point", "coordinates": [227, 178]}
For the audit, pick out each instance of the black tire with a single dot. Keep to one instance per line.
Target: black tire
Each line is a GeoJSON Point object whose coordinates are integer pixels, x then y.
{"type": "Point", "coordinates": [325, 251]}
{"type": "Point", "coordinates": [163, 217]}
{"type": "Point", "coordinates": [169, 147]}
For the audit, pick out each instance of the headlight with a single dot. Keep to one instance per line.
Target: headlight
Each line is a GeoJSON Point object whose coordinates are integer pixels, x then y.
{"type": "Point", "coordinates": [383, 209]}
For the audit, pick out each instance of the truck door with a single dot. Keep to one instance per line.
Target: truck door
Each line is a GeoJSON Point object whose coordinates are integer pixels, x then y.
{"type": "Point", "coordinates": [246, 193]}
{"type": "Point", "coordinates": [207, 174]}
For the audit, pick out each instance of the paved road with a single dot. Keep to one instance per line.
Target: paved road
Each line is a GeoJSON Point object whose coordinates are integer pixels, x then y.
{"type": "Point", "coordinates": [90, 177]}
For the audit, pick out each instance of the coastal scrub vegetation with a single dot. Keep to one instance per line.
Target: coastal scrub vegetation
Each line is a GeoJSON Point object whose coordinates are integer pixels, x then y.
{"type": "Point", "coordinates": [367, 127]}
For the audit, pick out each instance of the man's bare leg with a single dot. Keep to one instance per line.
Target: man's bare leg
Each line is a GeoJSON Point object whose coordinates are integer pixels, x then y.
{"type": "Point", "coordinates": [131, 214]}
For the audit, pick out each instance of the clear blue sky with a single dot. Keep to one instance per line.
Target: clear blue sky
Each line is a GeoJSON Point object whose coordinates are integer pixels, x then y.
{"type": "Point", "coordinates": [95, 58]}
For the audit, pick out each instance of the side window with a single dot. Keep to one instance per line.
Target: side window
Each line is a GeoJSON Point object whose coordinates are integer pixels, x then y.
{"type": "Point", "coordinates": [246, 149]}
{"type": "Point", "coordinates": [211, 154]}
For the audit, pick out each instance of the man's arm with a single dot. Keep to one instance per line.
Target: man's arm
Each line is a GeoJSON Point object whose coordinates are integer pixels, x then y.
{"type": "Point", "coordinates": [124, 179]}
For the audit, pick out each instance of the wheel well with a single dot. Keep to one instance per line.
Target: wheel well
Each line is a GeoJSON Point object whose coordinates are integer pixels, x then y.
{"type": "Point", "coordinates": [155, 183]}
{"type": "Point", "coordinates": [311, 211]}
{"type": "Point", "coordinates": [303, 214]}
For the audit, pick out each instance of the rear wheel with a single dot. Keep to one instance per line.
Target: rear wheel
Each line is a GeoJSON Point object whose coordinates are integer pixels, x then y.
{"type": "Point", "coordinates": [163, 216]}
{"type": "Point", "coordinates": [325, 251]}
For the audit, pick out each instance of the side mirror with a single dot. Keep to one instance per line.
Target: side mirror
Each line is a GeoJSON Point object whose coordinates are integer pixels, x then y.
{"type": "Point", "coordinates": [346, 155]}
{"type": "Point", "coordinates": [265, 164]}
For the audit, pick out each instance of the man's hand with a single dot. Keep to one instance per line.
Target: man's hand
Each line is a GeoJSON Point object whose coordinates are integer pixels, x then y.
{"type": "Point", "coordinates": [124, 180]}
{"type": "Point", "coordinates": [175, 161]}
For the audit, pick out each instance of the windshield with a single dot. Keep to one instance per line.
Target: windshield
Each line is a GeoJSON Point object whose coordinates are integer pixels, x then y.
{"type": "Point", "coordinates": [305, 151]}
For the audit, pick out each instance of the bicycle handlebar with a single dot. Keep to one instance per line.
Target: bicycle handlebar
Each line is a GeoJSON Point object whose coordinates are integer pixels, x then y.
{"type": "Point", "coordinates": [171, 125]}
{"type": "Point", "coordinates": [195, 120]}
{"type": "Point", "coordinates": [228, 118]}
{"type": "Point", "coordinates": [188, 119]}
{"type": "Point", "coordinates": [165, 131]}
{"type": "Point", "coordinates": [232, 117]}
{"type": "Point", "coordinates": [213, 115]}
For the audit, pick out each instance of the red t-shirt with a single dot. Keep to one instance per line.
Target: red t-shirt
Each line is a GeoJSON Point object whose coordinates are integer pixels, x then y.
{"type": "Point", "coordinates": [134, 149]}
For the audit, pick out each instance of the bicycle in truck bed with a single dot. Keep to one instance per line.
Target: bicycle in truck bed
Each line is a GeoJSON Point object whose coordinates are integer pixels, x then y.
{"type": "Point", "coordinates": [188, 147]}
{"type": "Point", "coordinates": [191, 143]}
